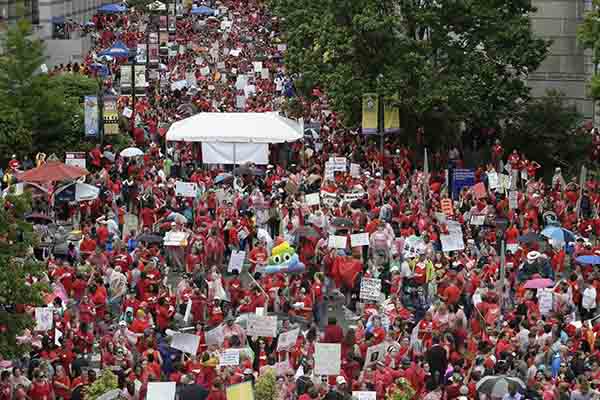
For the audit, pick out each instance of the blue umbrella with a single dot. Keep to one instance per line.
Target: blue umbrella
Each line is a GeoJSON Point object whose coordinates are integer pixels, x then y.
{"type": "Point", "coordinates": [113, 8]}
{"type": "Point", "coordinates": [222, 177]}
{"type": "Point", "coordinates": [558, 234]}
{"type": "Point", "coordinates": [203, 10]}
{"type": "Point", "coordinates": [590, 260]}
{"type": "Point", "coordinates": [118, 49]}
{"type": "Point", "coordinates": [101, 69]}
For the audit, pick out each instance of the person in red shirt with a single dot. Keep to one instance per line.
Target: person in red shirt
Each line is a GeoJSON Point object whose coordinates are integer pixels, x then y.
{"type": "Point", "coordinates": [333, 332]}
{"type": "Point", "coordinates": [164, 314]}
{"type": "Point", "coordinates": [99, 298]}
{"type": "Point", "coordinates": [258, 256]}
{"type": "Point", "coordinates": [40, 387]}
{"type": "Point", "coordinates": [62, 384]}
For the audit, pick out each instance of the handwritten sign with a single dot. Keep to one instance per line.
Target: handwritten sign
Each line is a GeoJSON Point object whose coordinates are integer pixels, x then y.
{"type": "Point", "coordinates": [359, 239]}
{"type": "Point", "coordinates": [370, 289]}
{"type": "Point", "coordinates": [44, 318]}
{"type": "Point", "coordinates": [185, 189]}
{"type": "Point", "coordinates": [453, 241]}
{"type": "Point", "coordinates": [264, 326]}
{"type": "Point", "coordinates": [328, 359]}
{"type": "Point", "coordinates": [236, 261]}
{"type": "Point", "coordinates": [185, 342]}
{"type": "Point", "coordinates": [287, 339]}
{"type": "Point", "coordinates": [312, 199]}
{"type": "Point", "coordinates": [337, 242]}
{"type": "Point", "coordinates": [229, 357]}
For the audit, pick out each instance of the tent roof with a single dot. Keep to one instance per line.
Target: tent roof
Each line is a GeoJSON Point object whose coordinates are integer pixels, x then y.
{"type": "Point", "coordinates": [203, 10]}
{"type": "Point", "coordinates": [118, 49]}
{"type": "Point", "coordinates": [236, 128]}
{"type": "Point", "coordinates": [52, 171]}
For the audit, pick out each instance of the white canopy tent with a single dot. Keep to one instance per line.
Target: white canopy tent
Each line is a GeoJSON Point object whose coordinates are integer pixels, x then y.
{"type": "Point", "coordinates": [230, 138]}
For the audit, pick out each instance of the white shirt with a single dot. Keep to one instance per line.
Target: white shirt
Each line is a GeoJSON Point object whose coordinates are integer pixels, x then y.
{"type": "Point", "coordinates": [589, 298]}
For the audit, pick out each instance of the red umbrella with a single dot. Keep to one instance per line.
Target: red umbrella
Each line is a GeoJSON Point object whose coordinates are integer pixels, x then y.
{"type": "Point", "coordinates": [539, 283]}
{"type": "Point", "coordinates": [52, 171]}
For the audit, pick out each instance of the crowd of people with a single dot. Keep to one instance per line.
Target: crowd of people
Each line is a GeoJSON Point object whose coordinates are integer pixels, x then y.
{"type": "Point", "coordinates": [481, 291]}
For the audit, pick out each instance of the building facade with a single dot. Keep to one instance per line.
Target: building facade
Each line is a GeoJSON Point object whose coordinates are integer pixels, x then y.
{"type": "Point", "coordinates": [568, 66]}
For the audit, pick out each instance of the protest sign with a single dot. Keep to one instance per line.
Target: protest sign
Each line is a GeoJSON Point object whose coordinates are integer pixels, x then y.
{"type": "Point", "coordinates": [261, 326]}
{"type": "Point", "coordinates": [44, 318]}
{"type": "Point", "coordinates": [504, 181]}
{"type": "Point", "coordinates": [258, 66]}
{"type": "Point", "coordinates": [545, 300]}
{"type": "Point", "coordinates": [176, 238]}
{"type": "Point", "coordinates": [185, 189]}
{"type": "Point", "coordinates": [370, 289]}
{"type": "Point", "coordinates": [359, 239]}
{"type": "Point", "coordinates": [375, 353]}
{"type": "Point", "coordinates": [350, 197]}
{"type": "Point", "coordinates": [241, 391]}
{"type": "Point", "coordinates": [447, 207]}
{"type": "Point", "coordinates": [328, 358]}
{"type": "Point", "coordinates": [185, 342]}
{"type": "Point", "coordinates": [513, 203]}
{"type": "Point", "coordinates": [240, 102]}
{"type": "Point", "coordinates": [453, 241]}
{"type": "Point", "coordinates": [264, 74]}
{"type": "Point", "coordinates": [281, 47]}
{"type": "Point", "coordinates": [76, 159]}
{"type": "Point", "coordinates": [161, 391]}
{"type": "Point", "coordinates": [365, 395]}
{"type": "Point", "coordinates": [236, 261]}
{"type": "Point", "coordinates": [477, 220]}
{"type": "Point", "coordinates": [354, 170]}
{"type": "Point", "coordinates": [339, 164]}
{"type": "Point", "coordinates": [215, 336]}
{"type": "Point", "coordinates": [462, 178]}
{"type": "Point", "coordinates": [329, 171]}
{"type": "Point", "coordinates": [493, 181]}
{"type": "Point", "coordinates": [287, 339]}
{"type": "Point", "coordinates": [337, 242]}
{"type": "Point", "coordinates": [328, 199]}
{"type": "Point", "coordinates": [312, 199]}
{"type": "Point", "coordinates": [229, 357]}
{"type": "Point", "coordinates": [127, 112]}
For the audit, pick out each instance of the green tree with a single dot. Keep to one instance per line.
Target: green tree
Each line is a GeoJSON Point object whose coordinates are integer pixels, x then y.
{"type": "Point", "coordinates": [588, 35]}
{"type": "Point", "coordinates": [552, 124]}
{"type": "Point", "coordinates": [457, 60]}
{"type": "Point", "coordinates": [266, 387]}
{"type": "Point", "coordinates": [17, 266]}
{"type": "Point", "coordinates": [38, 112]}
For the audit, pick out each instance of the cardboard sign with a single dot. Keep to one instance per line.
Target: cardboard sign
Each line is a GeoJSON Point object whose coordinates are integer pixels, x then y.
{"type": "Point", "coordinates": [161, 391]}
{"type": "Point", "coordinates": [236, 261]}
{"type": "Point", "coordinates": [186, 189]}
{"type": "Point", "coordinates": [185, 342]}
{"type": "Point", "coordinates": [229, 357]}
{"type": "Point", "coordinates": [370, 289]}
{"type": "Point", "coordinates": [337, 242]}
{"type": "Point", "coordinates": [287, 339]}
{"type": "Point", "coordinates": [312, 199]}
{"type": "Point", "coordinates": [328, 358]}
{"type": "Point", "coordinates": [215, 336]}
{"type": "Point", "coordinates": [359, 239]}
{"type": "Point", "coordinates": [261, 326]}
{"type": "Point", "coordinates": [44, 318]}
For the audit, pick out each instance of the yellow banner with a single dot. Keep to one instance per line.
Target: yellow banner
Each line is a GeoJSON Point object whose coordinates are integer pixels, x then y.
{"type": "Point", "coordinates": [241, 391]}
{"type": "Point", "coordinates": [391, 115]}
{"type": "Point", "coordinates": [369, 113]}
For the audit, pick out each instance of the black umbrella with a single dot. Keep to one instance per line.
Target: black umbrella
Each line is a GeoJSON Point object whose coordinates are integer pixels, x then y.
{"type": "Point", "coordinates": [37, 218]}
{"type": "Point", "coordinates": [530, 237]}
{"type": "Point", "coordinates": [342, 223]}
{"type": "Point", "coordinates": [149, 238]}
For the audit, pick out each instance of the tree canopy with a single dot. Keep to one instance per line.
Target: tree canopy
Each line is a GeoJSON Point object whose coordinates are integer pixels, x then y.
{"type": "Point", "coordinates": [460, 60]}
{"type": "Point", "coordinates": [39, 112]}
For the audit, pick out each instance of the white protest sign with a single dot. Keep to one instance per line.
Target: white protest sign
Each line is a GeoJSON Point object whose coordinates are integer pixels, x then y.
{"type": "Point", "coordinates": [355, 170]}
{"type": "Point", "coordinates": [215, 336]}
{"type": "Point", "coordinates": [504, 181]}
{"type": "Point", "coordinates": [339, 163]}
{"type": "Point", "coordinates": [258, 66]}
{"type": "Point", "coordinates": [312, 199]}
{"type": "Point", "coordinates": [545, 300]}
{"type": "Point", "coordinates": [240, 102]}
{"type": "Point", "coordinates": [329, 171]}
{"type": "Point", "coordinates": [229, 357]}
{"type": "Point", "coordinates": [185, 189]}
{"type": "Point", "coordinates": [337, 242]}
{"type": "Point", "coordinates": [359, 239]}
{"type": "Point", "coordinates": [264, 74]}
{"type": "Point", "coordinates": [127, 112]}
{"type": "Point", "coordinates": [370, 289]}
{"type": "Point", "coordinates": [185, 342]}
{"type": "Point", "coordinates": [350, 197]}
{"type": "Point", "coordinates": [174, 238]}
{"type": "Point", "coordinates": [57, 336]}
{"type": "Point", "coordinates": [493, 181]}
{"type": "Point", "coordinates": [376, 353]}
{"type": "Point", "coordinates": [161, 391]}
{"type": "Point", "coordinates": [328, 199]}
{"type": "Point", "coordinates": [328, 359]}
{"type": "Point", "coordinates": [261, 326]}
{"type": "Point", "coordinates": [477, 220]}
{"type": "Point", "coordinates": [43, 318]}
{"type": "Point", "coordinates": [204, 71]}
{"type": "Point", "coordinates": [453, 241]}
{"type": "Point", "coordinates": [287, 339]}
{"type": "Point", "coordinates": [512, 247]}
{"type": "Point", "coordinates": [199, 61]}
{"type": "Point", "coordinates": [236, 261]}
{"type": "Point", "coordinates": [365, 395]}
{"type": "Point", "coordinates": [513, 203]}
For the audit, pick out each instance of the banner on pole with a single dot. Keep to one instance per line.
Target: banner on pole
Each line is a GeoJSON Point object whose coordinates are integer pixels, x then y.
{"type": "Point", "coordinates": [110, 116]}
{"type": "Point", "coordinates": [391, 115]}
{"type": "Point", "coordinates": [91, 115]}
{"type": "Point", "coordinates": [370, 118]}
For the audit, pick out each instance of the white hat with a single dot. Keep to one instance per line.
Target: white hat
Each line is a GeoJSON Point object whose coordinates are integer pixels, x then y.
{"type": "Point", "coordinates": [532, 256]}
{"type": "Point", "coordinates": [340, 380]}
